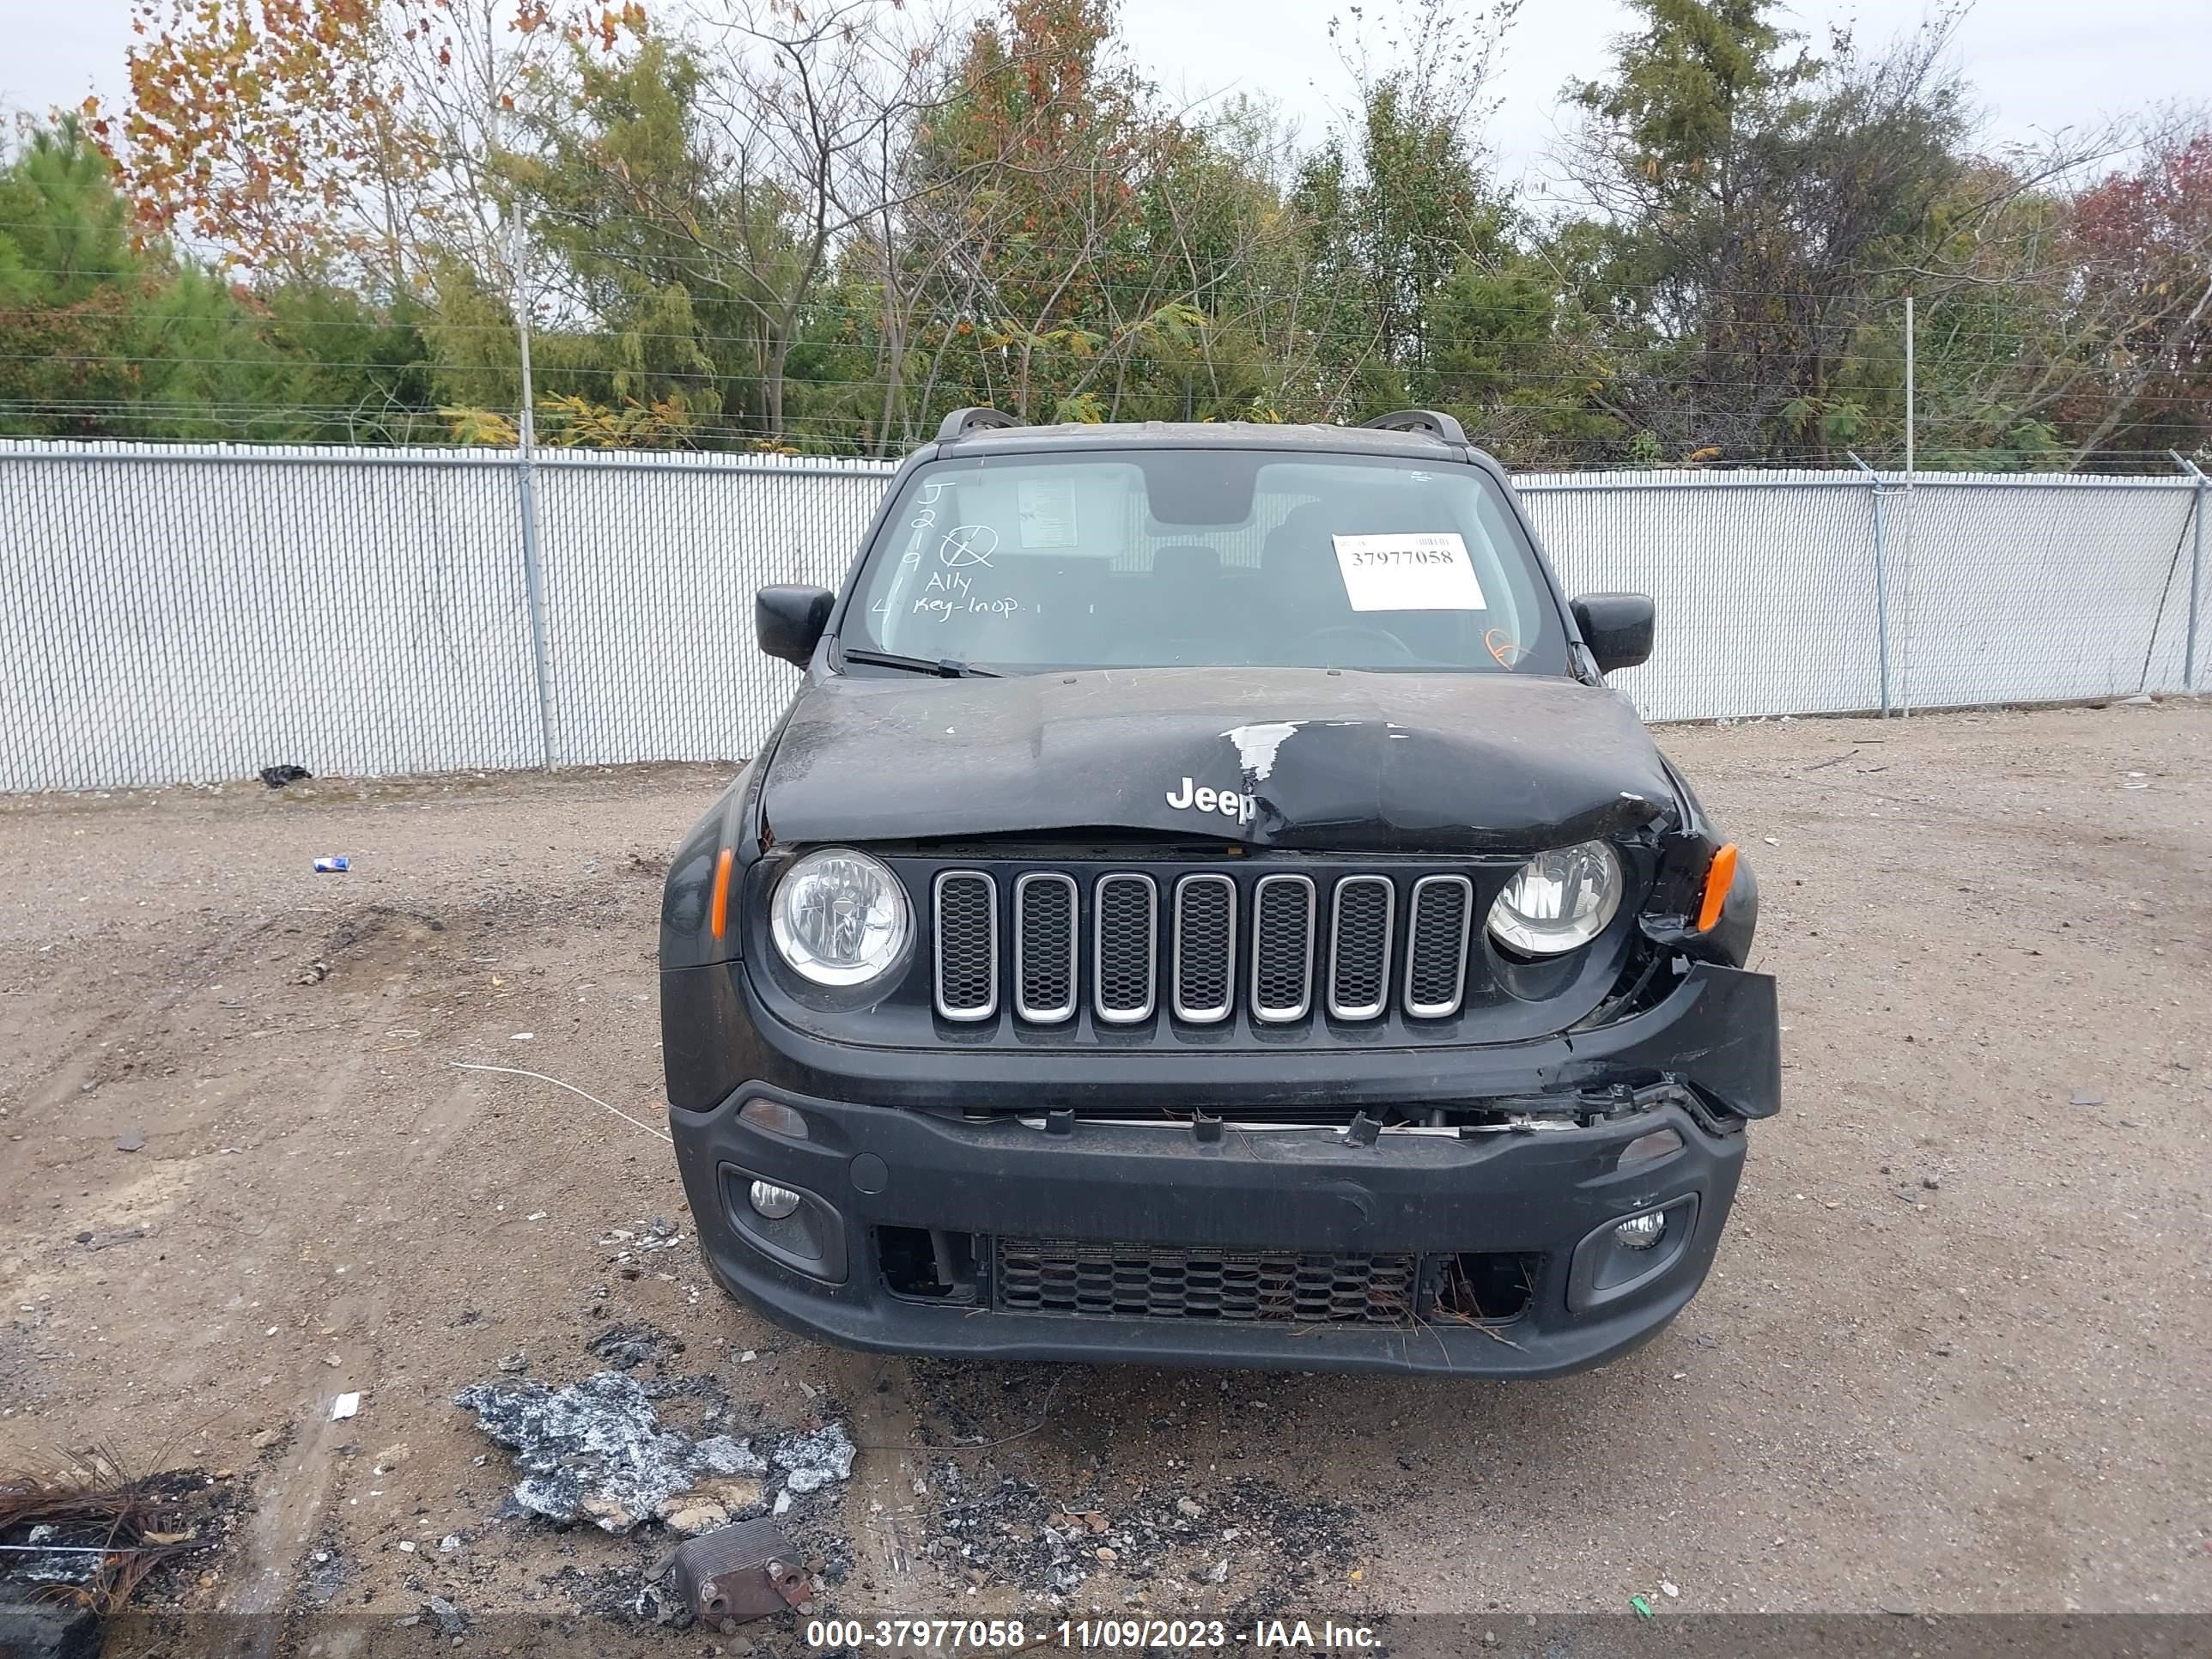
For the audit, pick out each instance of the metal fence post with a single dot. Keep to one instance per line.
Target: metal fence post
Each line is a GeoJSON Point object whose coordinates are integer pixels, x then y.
{"type": "Point", "coordinates": [533, 572]}
{"type": "Point", "coordinates": [1911, 505]}
{"type": "Point", "coordinates": [2196, 570]}
{"type": "Point", "coordinates": [533, 581]}
{"type": "Point", "coordinates": [1880, 574]}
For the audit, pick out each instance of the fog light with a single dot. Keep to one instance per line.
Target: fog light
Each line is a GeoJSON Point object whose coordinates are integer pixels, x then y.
{"type": "Point", "coordinates": [777, 1202]}
{"type": "Point", "coordinates": [1638, 1232]}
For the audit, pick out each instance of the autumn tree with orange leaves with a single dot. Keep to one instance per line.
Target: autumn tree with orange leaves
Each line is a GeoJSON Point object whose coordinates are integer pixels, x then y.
{"type": "Point", "coordinates": [820, 223]}
{"type": "Point", "coordinates": [348, 140]}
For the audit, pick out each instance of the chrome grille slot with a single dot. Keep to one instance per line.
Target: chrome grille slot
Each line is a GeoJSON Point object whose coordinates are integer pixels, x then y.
{"type": "Point", "coordinates": [1282, 947]}
{"type": "Point", "coordinates": [1435, 946]}
{"type": "Point", "coordinates": [1044, 947]}
{"type": "Point", "coordinates": [1125, 947]}
{"type": "Point", "coordinates": [1205, 944]}
{"type": "Point", "coordinates": [1360, 913]}
{"type": "Point", "coordinates": [965, 910]}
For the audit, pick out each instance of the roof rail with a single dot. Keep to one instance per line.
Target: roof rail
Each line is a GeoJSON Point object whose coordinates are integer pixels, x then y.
{"type": "Point", "coordinates": [982, 417]}
{"type": "Point", "coordinates": [1420, 420]}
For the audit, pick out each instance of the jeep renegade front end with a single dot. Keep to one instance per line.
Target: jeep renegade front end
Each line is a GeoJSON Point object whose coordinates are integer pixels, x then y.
{"type": "Point", "coordinates": [1203, 905]}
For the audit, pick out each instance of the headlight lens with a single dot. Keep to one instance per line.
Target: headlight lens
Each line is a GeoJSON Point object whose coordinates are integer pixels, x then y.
{"type": "Point", "coordinates": [1558, 901]}
{"type": "Point", "coordinates": [839, 918]}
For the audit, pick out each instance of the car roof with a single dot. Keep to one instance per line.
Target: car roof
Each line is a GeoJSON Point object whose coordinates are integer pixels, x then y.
{"type": "Point", "coordinates": [1311, 438]}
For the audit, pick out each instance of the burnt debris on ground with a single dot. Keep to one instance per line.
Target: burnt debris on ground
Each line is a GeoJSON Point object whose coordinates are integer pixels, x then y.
{"type": "Point", "coordinates": [88, 1536]}
{"type": "Point", "coordinates": [626, 1347]}
{"type": "Point", "coordinates": [596, 1451]}
{"type": "Point", "coordinates": [1247, 1535]}
{"type": "Point", "coordinates": [1099, 1516]}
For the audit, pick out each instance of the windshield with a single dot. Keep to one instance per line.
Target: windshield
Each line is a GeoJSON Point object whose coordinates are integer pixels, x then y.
{"type": "Point", "coordinates": [1206, 556]}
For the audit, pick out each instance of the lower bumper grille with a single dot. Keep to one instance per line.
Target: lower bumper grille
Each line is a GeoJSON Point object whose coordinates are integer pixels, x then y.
{"type": "Point", "coordinates": [1148, 1282]}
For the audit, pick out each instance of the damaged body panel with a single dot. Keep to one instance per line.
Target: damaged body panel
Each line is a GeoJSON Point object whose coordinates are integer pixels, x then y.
{"type": "Point", "coordinates": [1216, 913]}
{"type": "Point", "coordinates": [1327, 761]}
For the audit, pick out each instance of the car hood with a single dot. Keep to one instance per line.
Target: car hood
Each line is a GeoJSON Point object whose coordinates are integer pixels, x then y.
{"type": "Point", "coordinates": [1323, 759]}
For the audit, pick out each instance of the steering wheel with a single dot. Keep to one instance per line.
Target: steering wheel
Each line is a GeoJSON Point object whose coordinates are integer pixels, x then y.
{"type": "Point", "coordinates": [1401, 651]}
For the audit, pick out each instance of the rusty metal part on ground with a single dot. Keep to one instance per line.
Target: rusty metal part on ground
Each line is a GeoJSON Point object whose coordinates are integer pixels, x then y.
{"type": "Point", "coordinates": [738, 1573]}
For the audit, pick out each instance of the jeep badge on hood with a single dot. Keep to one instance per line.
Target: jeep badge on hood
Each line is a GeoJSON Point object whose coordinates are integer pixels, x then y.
{"type": "Point", "coordinates": [1227, 802]}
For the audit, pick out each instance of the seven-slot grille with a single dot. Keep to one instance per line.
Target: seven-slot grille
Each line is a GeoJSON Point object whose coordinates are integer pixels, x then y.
{"type": "Point", "coordinates": [1280, 947]}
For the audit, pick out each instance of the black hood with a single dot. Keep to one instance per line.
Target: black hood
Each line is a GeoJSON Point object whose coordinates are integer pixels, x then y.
{"type": "Point", "coordinates": [1305, 758]}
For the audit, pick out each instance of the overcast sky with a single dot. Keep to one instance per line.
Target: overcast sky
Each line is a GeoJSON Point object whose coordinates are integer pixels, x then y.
{"type": "Point", "coordinates": [2038, 64]}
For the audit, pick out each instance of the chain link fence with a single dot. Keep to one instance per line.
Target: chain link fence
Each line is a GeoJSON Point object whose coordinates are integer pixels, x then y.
{"type": "Point", "coordinates": [185, 614]}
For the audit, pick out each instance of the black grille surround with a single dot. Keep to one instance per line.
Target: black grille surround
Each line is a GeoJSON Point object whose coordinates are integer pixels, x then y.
{"type": "Point", "coordinates": [1261, 946]}
{"type": "Point", "coordinates": [995, 964]}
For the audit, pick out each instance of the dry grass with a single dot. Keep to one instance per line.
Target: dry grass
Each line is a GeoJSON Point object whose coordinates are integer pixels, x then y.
{"type": "Point", "coordinates": [94, 1505]}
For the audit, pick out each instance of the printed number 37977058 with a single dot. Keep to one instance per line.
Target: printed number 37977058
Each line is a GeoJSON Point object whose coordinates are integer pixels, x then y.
{"type": "Point", "coordinates": [1408, 572]}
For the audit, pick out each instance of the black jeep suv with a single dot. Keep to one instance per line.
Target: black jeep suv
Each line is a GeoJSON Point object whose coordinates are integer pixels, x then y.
{"type": "Point", "coordinates": [1204, 906]}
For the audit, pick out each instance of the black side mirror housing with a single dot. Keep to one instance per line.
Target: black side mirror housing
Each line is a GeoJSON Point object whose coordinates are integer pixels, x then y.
{"type": "Point", "coordinates": [1616, 627]}
{"type": "Point", "coordinates": [788, 621]}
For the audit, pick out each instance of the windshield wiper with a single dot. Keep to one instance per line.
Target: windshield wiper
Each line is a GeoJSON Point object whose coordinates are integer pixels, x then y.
{"type": "Point", "coordinates": [944, 668]}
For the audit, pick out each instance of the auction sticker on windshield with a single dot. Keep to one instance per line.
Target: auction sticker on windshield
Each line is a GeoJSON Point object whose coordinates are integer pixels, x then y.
{"type": "Point", "coordinates": [1428, 572]}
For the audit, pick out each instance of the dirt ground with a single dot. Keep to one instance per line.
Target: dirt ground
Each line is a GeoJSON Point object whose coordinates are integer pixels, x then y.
{"type": "Point", "coordinates": [1956, 1355]}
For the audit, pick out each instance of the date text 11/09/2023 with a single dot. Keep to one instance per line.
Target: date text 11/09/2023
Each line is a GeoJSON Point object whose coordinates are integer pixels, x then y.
{"type": "Point", "coordinates": [892, 1635]}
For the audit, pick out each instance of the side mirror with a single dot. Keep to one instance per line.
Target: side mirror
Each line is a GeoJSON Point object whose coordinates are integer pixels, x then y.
{"type": "Point", "coordinates": [1616, 627]}
{"type": "Point", "coordinates": [788, 621]}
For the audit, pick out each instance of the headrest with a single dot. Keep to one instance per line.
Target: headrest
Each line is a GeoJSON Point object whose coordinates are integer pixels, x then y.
{"type": "Point", "coordinates": [1301, 542]}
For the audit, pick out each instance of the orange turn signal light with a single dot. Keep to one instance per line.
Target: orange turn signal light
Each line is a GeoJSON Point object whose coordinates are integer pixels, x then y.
{"type": "Point", "coordinates": [717, 917]}
{"type": "Point", "coordinates": [1720, 876]}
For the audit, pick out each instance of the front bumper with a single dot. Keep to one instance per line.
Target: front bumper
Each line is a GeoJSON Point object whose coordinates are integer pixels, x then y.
{"type": "Point", "coordinates": [872, 1172]}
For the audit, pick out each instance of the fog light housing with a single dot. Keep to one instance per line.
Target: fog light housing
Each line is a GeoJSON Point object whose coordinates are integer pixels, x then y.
{"type": "Point", "coordinates": [773, 1202]}
{"type": "Point", "coordinates": [1632, 1254]}
{"type": "Point", "coordinates": [1638, 1232]}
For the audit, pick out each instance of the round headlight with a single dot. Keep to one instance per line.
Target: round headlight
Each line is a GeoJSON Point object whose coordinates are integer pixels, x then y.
{"type": "Point", "coordinates": [839, 918]}
{"type": "Point", "coordinates": [1558, 901]}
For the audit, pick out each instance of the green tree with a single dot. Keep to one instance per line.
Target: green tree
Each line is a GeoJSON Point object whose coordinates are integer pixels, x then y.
{"type": "Point", "coordinates": [69, 278]}
{"type": "Point", "coordinates": [681, 271]}
{"type": "Point", "coordinates": [1394, 201]}
{"type": "Point", "coordinates": [101, 337]}
{"type": "Point", "coordinates": [1520, 364]}
{"type": "Point", "coordinates": [1769, 197]}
